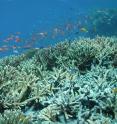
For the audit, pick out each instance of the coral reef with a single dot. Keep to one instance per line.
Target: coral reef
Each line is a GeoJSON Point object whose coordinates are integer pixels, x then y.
{"type": "Point", "coordinates": [72, 82]}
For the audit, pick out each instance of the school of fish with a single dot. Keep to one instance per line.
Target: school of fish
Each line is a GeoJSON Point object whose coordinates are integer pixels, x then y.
{"type": "Point", "coordinates": [80, 27]}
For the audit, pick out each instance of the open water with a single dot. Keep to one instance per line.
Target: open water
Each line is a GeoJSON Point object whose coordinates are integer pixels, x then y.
{"type": "Point", "coordinates": [26, 24]}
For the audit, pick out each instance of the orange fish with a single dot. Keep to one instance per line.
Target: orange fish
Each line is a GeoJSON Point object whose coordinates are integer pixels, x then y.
{"type": "Point", "coordinates": [3, 49]}
{"type": "Point", "coordinates": [17, 39]}
{"type": "Point", "coordinates": [9, 38]}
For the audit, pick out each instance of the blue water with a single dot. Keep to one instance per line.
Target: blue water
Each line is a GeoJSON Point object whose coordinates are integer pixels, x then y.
{"type": "Point", "coordinates": [30, 16]}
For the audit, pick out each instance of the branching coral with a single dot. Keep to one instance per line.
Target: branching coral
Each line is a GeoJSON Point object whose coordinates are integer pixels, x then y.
{"type": "Point", "coordinates": [14, 117]}
{"type": "Point", "coordinates": [70, 82]}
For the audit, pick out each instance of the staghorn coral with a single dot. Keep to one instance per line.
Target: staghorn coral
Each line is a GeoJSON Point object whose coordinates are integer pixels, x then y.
{"type": "Point", "coordinates": [14, 117]}
{"type": "Point", "coordinates": [68, 83]}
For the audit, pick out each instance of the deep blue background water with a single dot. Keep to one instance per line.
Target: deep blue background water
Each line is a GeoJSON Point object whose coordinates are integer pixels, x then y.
{"type": "Point", "coordinates": [27, 16]}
